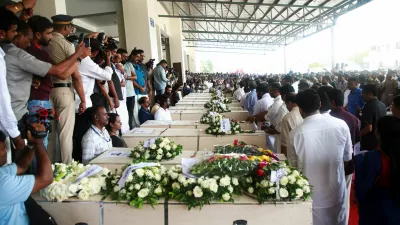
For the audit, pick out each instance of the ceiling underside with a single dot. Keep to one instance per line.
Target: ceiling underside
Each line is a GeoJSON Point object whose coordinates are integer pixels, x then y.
{"type": "Point", "coordinates": [254, 24]}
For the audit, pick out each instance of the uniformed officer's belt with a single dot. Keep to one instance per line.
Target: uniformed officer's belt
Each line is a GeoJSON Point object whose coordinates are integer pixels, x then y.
{"type": "Point", "coordinates": [59, 85]}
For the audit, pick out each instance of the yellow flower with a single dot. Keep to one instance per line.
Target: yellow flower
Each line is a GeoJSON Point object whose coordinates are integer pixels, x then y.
{"type": "Point", "coordinates": [251, 158]}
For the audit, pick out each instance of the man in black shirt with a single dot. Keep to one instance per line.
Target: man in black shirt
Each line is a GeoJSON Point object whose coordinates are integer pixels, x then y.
{"type": "Point", "coordinates": [372, 111]}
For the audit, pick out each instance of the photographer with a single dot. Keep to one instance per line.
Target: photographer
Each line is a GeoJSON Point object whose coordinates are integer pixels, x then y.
{"type": "Point", "coordinates": [15, 188]}
{"type": "Point", "coordinates": [90, 72]}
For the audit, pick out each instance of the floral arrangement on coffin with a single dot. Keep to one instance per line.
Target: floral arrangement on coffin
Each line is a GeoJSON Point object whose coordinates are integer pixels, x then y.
{"type": "Point", "coordinates": [241, 147]}
{"type": "Point", "coordinates": [215, 128]}
{"type": "Point", "coordinates": [203, 87]}
{"type": "Point", "coordinates": [143, 185]}
{"type": "Point", "coordinates": [216, 106]}
{"type": "Point", "coordinates": [209, 117]}
{"type": "Point", "coordinates": [221, 165]}
{"type": "Point", "coordinates": [203, 190]}
{"type": "Point", "coordinates": [75, 179]}
{"type": "Point", "coordinates": [156, 150]}
{"type": "Point", "coordinates": [277, 181]}
{"type": "Point", "coordinates": [221, 98]}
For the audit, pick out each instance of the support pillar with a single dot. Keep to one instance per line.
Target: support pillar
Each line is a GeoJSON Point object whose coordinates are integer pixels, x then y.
{"type": "Point", "coordinates": [333, 47]}
{"type": "Point", "coordinates": [49, 8]}
{"type": "Point", "coordinates": [139, 31]}
{"type": "Point", "coordinates": [284, 60]}
{"type": "Point", "coordinates": [177, 48]}
{"type": "Point", "coordinates": [121, 25]}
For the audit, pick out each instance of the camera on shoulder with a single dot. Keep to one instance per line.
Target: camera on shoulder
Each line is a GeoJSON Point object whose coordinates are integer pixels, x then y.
{"type": "Point", "coordinates": [42, 116]}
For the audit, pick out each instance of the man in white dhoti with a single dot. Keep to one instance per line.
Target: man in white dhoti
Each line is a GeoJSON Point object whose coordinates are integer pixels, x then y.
{"type": "Point", "coordinates": [323, 147]}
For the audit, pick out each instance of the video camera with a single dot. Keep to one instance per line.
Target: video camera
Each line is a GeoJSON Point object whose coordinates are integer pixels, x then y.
{"type": "Point", "coordinates": [41, 116]}
{"type": "Point", "coordinates": [110, 41]}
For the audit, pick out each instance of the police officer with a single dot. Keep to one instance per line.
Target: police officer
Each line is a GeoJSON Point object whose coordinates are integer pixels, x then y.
{"type": "Point", "coordinates": [62, 95]}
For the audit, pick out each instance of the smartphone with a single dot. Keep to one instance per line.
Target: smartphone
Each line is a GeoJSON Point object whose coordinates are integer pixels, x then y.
{"type": "Point", "coordinates": [81, 37]}
{"type": "Point", "coordinates": [87, 42]}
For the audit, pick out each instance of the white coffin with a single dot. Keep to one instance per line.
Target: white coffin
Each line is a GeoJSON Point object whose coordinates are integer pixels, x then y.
{"type": "Point", "coordinates": [133, 137]}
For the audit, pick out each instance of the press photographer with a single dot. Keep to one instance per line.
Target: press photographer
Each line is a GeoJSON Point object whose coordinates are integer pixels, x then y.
{"type": "Point", "coordinates": [15, 188]}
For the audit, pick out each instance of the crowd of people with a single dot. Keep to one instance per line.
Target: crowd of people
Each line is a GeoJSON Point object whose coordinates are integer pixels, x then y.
{"type": "Point", "coordinates": [72, 98]}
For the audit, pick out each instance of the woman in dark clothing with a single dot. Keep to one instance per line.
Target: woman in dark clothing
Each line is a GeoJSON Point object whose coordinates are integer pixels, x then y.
{"type": "Point", "coordinates": [377, 173]}
{"type": "Point", "coordinates": [144, 112]}
{"type": "Point", "coordinates": [113, 127]}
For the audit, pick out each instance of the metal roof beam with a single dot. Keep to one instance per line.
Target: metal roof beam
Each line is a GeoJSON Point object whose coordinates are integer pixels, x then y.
{"type": "Point", "coordinates": [234, 33]}
{"type": "Point", "coordinates": [239, 20]}
{"type": "Point", "coordinates": [229, 41]}
{"type": "Point", "coordinates": [247, 3]}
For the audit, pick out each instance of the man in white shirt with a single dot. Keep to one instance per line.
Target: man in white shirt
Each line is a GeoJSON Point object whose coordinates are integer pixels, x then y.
{"type": "Point", "coordinates": [239, 93]}
{"type": "Point", "coordinates": [90, 72]}
{"type": "Point", "coordinates": [264, 99]}
{"type": "Point", "coordinates": [163, 113]}
{"type": "Point", "coordinates": [290, 121]}
{"type": "Point", "coordinates": [323, 147]}
{"type": "Point", "coordinates": [96, 140]}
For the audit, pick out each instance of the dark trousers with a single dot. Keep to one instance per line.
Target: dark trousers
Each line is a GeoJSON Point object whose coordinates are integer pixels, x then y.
{"type": "Point", "coordinates": [100, 100]}
{"type": "Point", "coordinates": [82, 125]}
{"type": "Point", "coordinates": [130, 104]}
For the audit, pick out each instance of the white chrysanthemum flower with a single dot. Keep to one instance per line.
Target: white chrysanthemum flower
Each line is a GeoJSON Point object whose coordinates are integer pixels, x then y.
{"type": "Point", "coordinates": [235, 181]}
{"type": "Point", "coordinates": [271, 184]}
{"type": "Point", "coordinates": [174, 146]}
{"type": "Point", "coordinates": [161, 145]}
{"type": "Point", "coordinates": [131, 188]}
{"type": "Point", "coordinates": [149, 174]}
{"type": "Point", "coordinates": [158, 190]}
{"type": "Point", "coordinates": [292, 179]}
{"type": "Point", "coordinates": [116, 188]}
{"type": "Point", "coordinates": [230, 189]}
{"type": "Point", "coordinates": [271, 190]}
{"type": "Point", "coordinates": [284, 181]}
{"type": "Point", "coordinates": [168, 155]}
{"type": "Point", "coordinates": [249, 180]}
{"type": "Point", "coordinates": [139, 172]}
{"type": "Point", "coordinates": [213, 187]}
{"type": "Point", "coordinates": [225, 181]}
{"type": "Point", "coordinates": [146, 154]}
{"type": "Point", "coordinates": [250, 190]}
{"type": "Point", "coordinates": [130, 178]}
{"type": "Point", "coordinates": [176, 186]}
{"type": "Point", "coordinates": [306, 189]}
{"type": "Point", "coordinates": [123, 191]}
{"type": "Point", "coordinates": [205, 184]}
{"type": "Point", "coordinates": [157, 177]}
{"type": "Point", "coordinates": [153, 146]}
{"type": "Point", "coordinates": [143, 193]}
{"type": "Point", "coordinates": [299, 193]}
{"type": "Point", "coordinates": [73, 188]}
{"type": "Point", "coordinates": [168, 147]}
{"type": "Point", "coordinates": [189, 193]}
{"type": "Point", "coordinates": [295, 173]}
{"type": "Point", "coordinates": [191, 180]}
{"type": "Point", "coordinates": [84, 195]}
{"type": "Point", "coordinates": [300, 182]}
{"type": "Point", "coordinates": [283, 193]}
{"type": "Point", "coordinates": [198, 192]}
{"type": "Point", "coordinates": [160, 151]}
{"type": "Point", "coordinates": [84, 180]}
{"type": "Point", "coordinates": [264, 183]}
{"type": "Point", "coordinates": [159, 157]}
{"type": "Point", "coordinates": [174, 175]}
{"type": "Point", "coordinates": [137, 155]}
{"type": "Point", "coordinates": [137, 186]}
{"type": "Point", "coordinates": [226, 197]}
{"type": "Point", "coordinates": [181, 179]}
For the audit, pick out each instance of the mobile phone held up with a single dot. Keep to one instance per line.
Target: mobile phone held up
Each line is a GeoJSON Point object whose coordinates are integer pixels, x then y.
{"type": "Point", "coordinates": [84, 40]}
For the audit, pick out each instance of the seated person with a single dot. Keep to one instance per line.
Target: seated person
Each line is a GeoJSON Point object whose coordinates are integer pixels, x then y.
{"type": "Point", "coordinates": [96, 140]}
{"type": "Point", "coordinates": [15, 188]}
{"type": "Point", "coordinates": [113, 127]}
{"type": "Point", "coordinates": [144, 112]}
{"type": "Point", "coordinates": [156, 105]}
{"type": "Point", "coordinates": [163, 112]}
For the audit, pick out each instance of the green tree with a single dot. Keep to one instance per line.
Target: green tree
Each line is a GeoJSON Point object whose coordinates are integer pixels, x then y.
{"type": "Point", "coordinates": [207, 66]}
{"type": "Point", "coordinates": [316, 65]}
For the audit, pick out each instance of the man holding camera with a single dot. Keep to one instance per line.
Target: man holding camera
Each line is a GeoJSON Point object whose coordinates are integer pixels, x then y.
{"type": "Point", "coordinates": [15, 188]}
{"type": "Point", "coordinates": [62, 95]}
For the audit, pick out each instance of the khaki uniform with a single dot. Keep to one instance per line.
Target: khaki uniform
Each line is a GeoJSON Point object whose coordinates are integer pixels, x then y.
{"type": "Point", "coordinates": [62, 98]}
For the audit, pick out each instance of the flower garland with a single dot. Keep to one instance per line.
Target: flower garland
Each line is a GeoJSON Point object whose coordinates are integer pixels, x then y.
{"type": "Point", "coordinates": [221, 98]}
{"type": "Point", "coordinates": [143, 185]}
{"type": "Point", "coordinates": [203, 190]}
{"type": "Point", "coordinates": [215, 128]}
{"type": "Point", "coordinates": [209, 117]}
{"type": "Point", "coordinates": [156, 150]}
{"type": "Point", "coordinates": [287, 183]}
{"type": "Point", "coordinates": [240, 147]}
{"type": "Point", "coordinates": [216, 106]}
{"type": "Point", "coordinates": [74, 179]}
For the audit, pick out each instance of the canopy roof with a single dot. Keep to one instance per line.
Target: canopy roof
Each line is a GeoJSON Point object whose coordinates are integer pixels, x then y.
{"type": "Point", "coordinates": [254, 24]}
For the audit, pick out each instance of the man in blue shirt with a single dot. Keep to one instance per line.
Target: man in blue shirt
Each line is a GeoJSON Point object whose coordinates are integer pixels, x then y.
{"type": "Point", "coordinates": [15, 188]}
{"type": "Point", "coordinates": [355, 102]}
{"type": "Point", "coordinates": [251, 98]}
